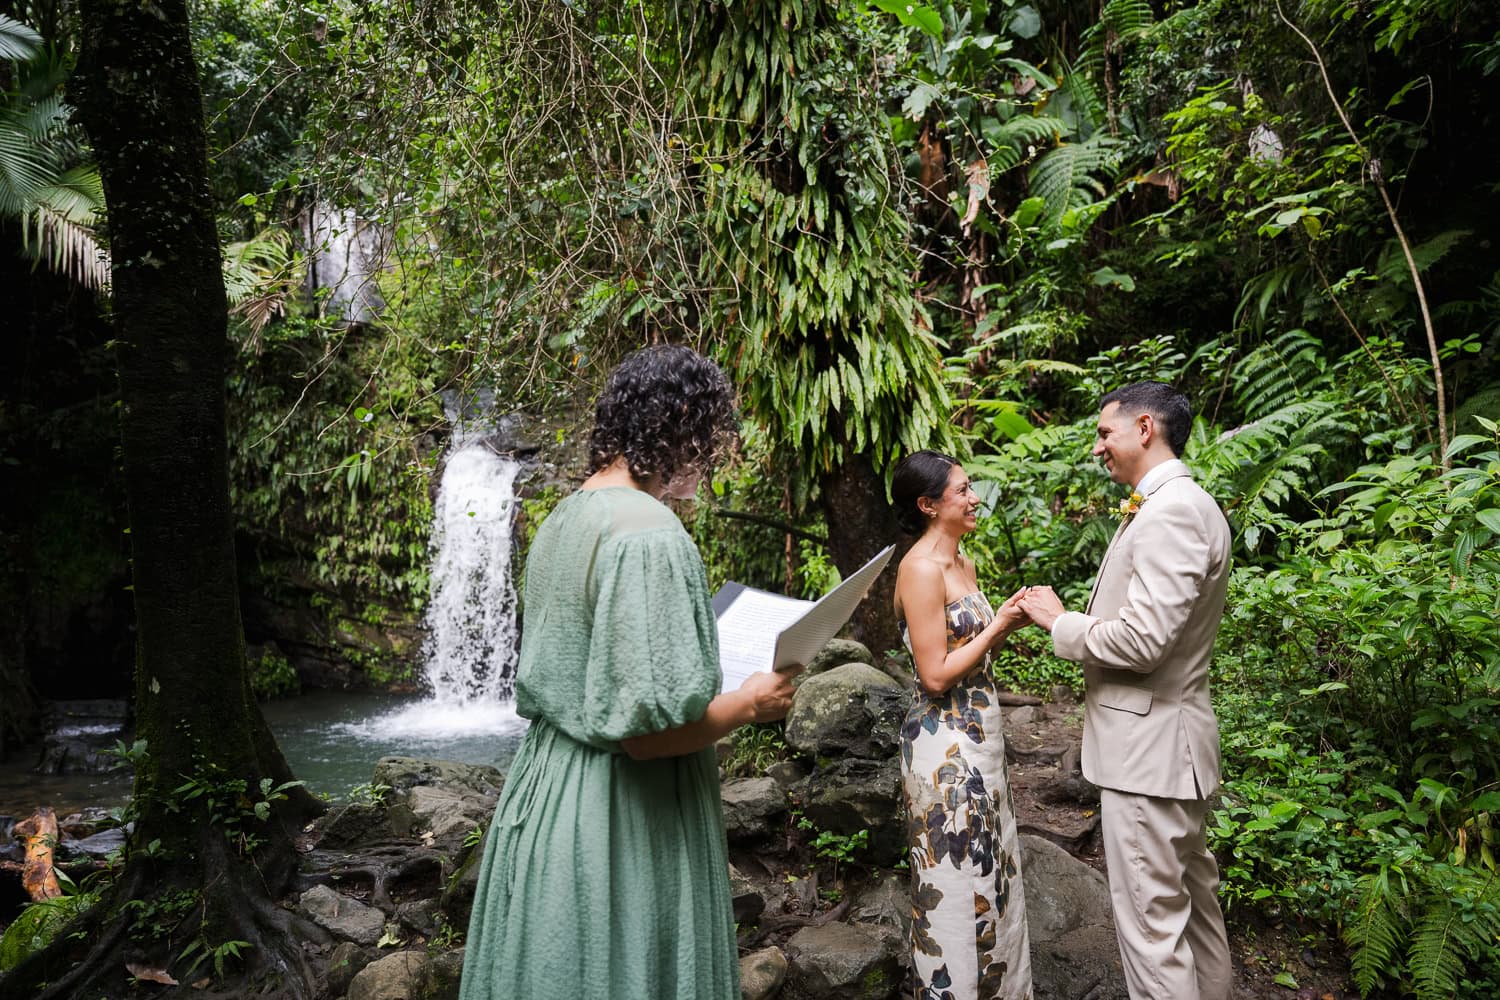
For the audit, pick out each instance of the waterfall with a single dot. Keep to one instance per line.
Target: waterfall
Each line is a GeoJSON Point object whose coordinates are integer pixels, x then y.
{"type": "Point", "coordinates": [471, 619]}
{"type": "Point", "coordinates": [471, 650]}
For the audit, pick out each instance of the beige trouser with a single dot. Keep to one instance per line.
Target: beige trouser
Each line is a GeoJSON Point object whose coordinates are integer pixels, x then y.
{"type": "Point", "coordinates": [1163, 882]}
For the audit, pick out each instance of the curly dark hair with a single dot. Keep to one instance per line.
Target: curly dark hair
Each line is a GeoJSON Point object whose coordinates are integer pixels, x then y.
{"type": "Point", "coordinates": [920, 474]}
{"type": "Point", "coordinates": [663, 408]}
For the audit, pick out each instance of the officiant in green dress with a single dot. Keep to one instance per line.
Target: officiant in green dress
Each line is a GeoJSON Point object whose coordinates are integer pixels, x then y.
{"type": "Point", "coordinates": [605, 869]}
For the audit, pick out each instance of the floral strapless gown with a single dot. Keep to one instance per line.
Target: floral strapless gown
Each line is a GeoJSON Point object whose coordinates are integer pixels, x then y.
{"type": "Point", "coordinates": [968, 934]}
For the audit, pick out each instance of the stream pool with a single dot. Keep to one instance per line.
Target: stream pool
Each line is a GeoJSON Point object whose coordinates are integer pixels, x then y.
{"type": "Point", "coordinates": [331, 740]}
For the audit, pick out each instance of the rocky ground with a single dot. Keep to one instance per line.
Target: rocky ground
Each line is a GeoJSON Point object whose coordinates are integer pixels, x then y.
{"type": "Point", "coordinates": [393, 881]}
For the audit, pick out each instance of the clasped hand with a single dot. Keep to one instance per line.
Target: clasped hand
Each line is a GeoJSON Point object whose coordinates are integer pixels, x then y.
{"type": "Point", "coordinates": [1030, 606]}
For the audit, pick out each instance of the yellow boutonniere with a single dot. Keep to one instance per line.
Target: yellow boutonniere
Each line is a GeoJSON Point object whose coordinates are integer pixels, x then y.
{"type": "Point", "coordinates": [1130, 506]}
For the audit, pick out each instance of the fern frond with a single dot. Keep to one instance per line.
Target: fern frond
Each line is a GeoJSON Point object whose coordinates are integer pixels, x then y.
{"type": "Point", "coordinates": [1373, 931]}
{"type": "Point", "coordinates": [1068, 176]}
{"type": "Point", "coordinates": [1459, 925]}
{"type": "Point", "coordinates": [1285, 370]}
{"type": "Point", "coordinates": [1119, 22]}
{"type": "Point", "coordinates": [1393, 266]}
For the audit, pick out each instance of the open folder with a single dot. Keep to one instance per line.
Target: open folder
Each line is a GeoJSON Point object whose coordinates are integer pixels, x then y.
{"type": "Point", "coordinates": [759, 630]}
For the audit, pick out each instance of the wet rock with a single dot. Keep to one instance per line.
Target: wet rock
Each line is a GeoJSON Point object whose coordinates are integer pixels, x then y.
{"type": "Point", "coordinates": [78, 732]}
{"type": "Point", "coordinates": [849, 794]}
{"type": "Point", "coordinates": [841, 961]}
{"type": "Point", "coordinates": [344, 964]}
{"type": "Point", "coordinates": [342, 916]}
{"type": "Point", "coordinates": [1073, 947]}
{"type": "Point", "coordinates": [836, 653]}
{"type": "Point", "coordinates": [852, 710]}
{"type": "Point", "coordinates": [97, 847]}
{"type": "Point", "coordinates": [762, 973]}
{"type": "Point", "coordinates": [752, 807]}
{"type": "Point", "coordinates": [395, 977]}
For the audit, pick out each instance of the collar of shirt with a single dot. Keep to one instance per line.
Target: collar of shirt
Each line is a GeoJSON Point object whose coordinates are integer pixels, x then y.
{"type": "Point", "coordinates": [1159, 474]}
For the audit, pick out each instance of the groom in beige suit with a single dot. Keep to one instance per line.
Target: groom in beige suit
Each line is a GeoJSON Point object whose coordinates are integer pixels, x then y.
{"type": "Point", "coordinates": [1150, 739]}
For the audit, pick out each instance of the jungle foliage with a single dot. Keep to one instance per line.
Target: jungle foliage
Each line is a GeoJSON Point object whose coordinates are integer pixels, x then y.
{"type": "Point", "coordinates": [956, 223]}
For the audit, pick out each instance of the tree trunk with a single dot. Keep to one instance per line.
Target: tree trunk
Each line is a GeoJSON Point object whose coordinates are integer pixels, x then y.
{"type": "Point", "coordinates": [860, 524]}
{"type": "Point", "coordinates": [202, 868]}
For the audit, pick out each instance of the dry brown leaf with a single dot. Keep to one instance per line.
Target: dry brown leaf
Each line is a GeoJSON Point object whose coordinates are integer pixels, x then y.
{"type": "Point", "coordinates": [979, 189]}
{"type": "Point", "coordinates": [150, 975]}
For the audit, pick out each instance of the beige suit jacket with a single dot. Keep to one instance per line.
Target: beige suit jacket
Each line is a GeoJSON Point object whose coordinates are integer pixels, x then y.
{"type": "Point", "coordinates": [1145, 644]}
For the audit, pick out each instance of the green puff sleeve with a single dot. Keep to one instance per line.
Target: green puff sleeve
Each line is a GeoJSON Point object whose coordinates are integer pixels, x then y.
{"type": "Point", "coordinates": [653, 659]}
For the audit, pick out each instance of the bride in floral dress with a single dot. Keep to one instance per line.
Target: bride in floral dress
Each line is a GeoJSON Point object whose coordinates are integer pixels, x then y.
{"type": "Point", "coordinates": [968, 936]}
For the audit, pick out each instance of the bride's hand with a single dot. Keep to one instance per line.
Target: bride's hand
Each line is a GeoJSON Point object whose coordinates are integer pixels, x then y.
{"type": "Point", "coordinates": [1011, 616]}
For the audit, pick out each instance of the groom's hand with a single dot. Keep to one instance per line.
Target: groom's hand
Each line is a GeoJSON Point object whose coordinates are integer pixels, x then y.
{"type": "Point", "coordinates": [1042, 606]}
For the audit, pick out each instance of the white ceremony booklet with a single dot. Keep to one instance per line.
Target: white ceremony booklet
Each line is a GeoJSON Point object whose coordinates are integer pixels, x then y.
{"type": "Point", "coordinates": [759, 630]}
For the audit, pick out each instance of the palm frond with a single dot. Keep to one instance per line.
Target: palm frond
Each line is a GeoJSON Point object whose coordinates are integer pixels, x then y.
{"type": "Point", "coordinates": [17, 41]}
{"type": "Point", "coordinates": [257, 279]}
{"type": "Point", "coordinates": [25, 166]}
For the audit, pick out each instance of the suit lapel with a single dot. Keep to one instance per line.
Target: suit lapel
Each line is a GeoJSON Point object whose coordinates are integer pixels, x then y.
{"type": "Point", "coordinates": [1124, 523]}
{"type": "Point", "coordinates": [1176, 472]}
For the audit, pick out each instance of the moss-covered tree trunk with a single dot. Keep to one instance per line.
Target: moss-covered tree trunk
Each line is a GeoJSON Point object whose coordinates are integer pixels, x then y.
{"type": "Point", "coordinates": [860, 524]}
{"type": "Point", "coordinates": [203, 868]}
{"type": "Point", "coordinates": [811, 261]}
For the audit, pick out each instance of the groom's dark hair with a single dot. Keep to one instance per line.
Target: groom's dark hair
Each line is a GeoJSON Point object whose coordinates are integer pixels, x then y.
{"type": "Point", "coordinates": [1167, 406]}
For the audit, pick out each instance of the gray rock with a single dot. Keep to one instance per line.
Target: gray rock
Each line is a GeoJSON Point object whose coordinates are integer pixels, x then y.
{"type": "Point", "coordinates": [884, 901]}
{"type": "Point", "coordinates": [395, 977]}
{"type": "Point", "coordinates": [1062, 694]}
{"type": "Point", "coordinates": [355, 823]}
{"type": "Point", "coordinates": [403, 773]}
{"type": "Point", "coordinates": [836, 653]}
{"type": "Point", "coordinates": [748, 901]}
{"type": "Point", "coordinates": [99, 846]}
{"type": "Point", "coordinates": [853, 710]}
{"type": "Point", "coordinates": [457, 899]}
{"type": "Point", "coordinates": [752, 807]}
{"type": "Point", "coordinates": [1025, 715]}
{"type": "Point", "coordinates": [443, 812]}
{"type": "Point", "coordinates": [898, 669]}
{"type": "Point", "coordinates": [438, 797]}
{"type": "Point", "coordinates": [344, 964]}
{"type": "Point", "coordinates": [787, 772]}
{"type": "Point", "coordinates": [339, 915]}
{"type": "Point", "coordinates": [1073, 948]}
{"type": "Point", "coordinates": [762, 973]}
{"type": "Point", "coordinates": [850, 794]}
{"type": "Point", "coordinates": [419, 916]}
{"type": "Point", "coordinates": [440, 977]}
{"type": "Point", "coordinates": [841, 961]}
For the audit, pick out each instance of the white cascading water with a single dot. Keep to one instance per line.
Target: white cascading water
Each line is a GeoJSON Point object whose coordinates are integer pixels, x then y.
{"type": "Point", "coordinates": [471, 619]}
{"type": "Point", "coordinates": [471, 650]}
